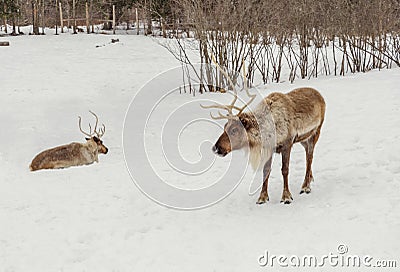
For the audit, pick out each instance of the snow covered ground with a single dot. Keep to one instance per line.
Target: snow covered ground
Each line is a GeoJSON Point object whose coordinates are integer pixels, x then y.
{"type": "Point", "coordinates": [94, 218]}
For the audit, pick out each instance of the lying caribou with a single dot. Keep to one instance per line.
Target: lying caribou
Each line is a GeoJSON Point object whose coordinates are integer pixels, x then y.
{"type": "Point", "coordinates": [73, 154]}
{"type": "Point", "coordinates": [296, 117]}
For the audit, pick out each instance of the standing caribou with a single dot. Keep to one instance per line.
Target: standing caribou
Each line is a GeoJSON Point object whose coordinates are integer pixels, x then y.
{"type": "Point", "coordinates": [73, 154]}
{"type": "Point", "coordinates": [281, 120]}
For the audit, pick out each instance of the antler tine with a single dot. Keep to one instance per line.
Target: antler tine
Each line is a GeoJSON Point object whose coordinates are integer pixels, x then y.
{"type": "Point", "coordinates": [80, 127]}
{"type": "Point", "coordinates": [252, 97]}
{"type": "Point", "coordinates": [221, 116]}
{"type": "Point", "coordinates": [231, 106]}
{"type": "Point", "coordinates": [97, 120]}
{"type": "Point", "coordinates": [219, 106]}
{"type": "Point", "coordinates": [101, 132]}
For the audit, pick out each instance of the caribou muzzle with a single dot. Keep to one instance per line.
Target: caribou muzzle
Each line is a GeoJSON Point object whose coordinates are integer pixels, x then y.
{"type": "Point", "coordinates": [223, 146]}
{"type": "Point", "coordinates": [218, 151]}
{"type": "Point", "coordinates": [104, 150]}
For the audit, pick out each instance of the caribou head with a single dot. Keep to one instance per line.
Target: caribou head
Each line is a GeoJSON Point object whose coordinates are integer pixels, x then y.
{"type": "Point", "coordinates": [96, 135]}
{"type": "Point", "coordinates": [235, 135]}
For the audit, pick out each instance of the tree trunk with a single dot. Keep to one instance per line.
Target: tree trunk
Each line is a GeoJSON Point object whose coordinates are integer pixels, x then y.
{"type": "Point", "coordinates": [35, 22]}
{"type": "Point", "coordinates": [108, 25]}
{"type": "Point", "coordinates": [148, 17]}
{"type": "Point", "coordinates": [164, 31]}
{"type": "Point", "coordinates": [113, 19]}
{"type": "Point", "coordinates": [91, 15]}
{"type": "Point", "coordinates": [129, 19]}
{"type": "Point", "coordinates": [42, 17]}
{"type": "Point", "coordinates": [5, 18]}
{"type": "Point", "coordinates": [137, 21]}
{"type": "Point", "coordinates": [57, 12]}
{"type": "Point", "coordinates": [87, 19]}
{"type": "Point", "coordinates": [14, 31]}
{"type": "Point", "coordinates": [61, 18]}
{"type": "Point", "coordinates": [68, 16]}
{"type": "Point", "coordinates": [74, 16]}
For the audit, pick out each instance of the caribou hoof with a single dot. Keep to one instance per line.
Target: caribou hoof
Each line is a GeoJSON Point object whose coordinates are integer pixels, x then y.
{"type": "Point", "coordinates": [287, 201]}
{"type": "Point", "coordinates": [306, 190]}
{"type": "Point", "coordinates": [262, 200]}
{"type": "Point", "coordinates": [286, 198]}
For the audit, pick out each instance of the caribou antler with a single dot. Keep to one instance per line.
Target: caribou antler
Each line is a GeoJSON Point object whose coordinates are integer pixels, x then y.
{"type": "Point", "coordinates": [99, 133]}
{"type": "Point", "coordinates": [231, 106]}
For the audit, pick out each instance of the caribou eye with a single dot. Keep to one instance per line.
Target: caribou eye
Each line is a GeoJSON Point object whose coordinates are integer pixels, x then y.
{"type": "Point", "coordinates": [234, 131]}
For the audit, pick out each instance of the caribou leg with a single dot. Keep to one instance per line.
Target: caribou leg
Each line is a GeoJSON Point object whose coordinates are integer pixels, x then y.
{"type": "Point", "coordinates": [309, 146]}
{"type": "Point", "coordinates": [264, 191]}
{"type": "Point", "coordinates": [286, 195]}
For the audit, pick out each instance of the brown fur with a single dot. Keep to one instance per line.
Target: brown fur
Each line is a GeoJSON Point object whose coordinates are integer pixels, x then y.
{"type": "Point", "coordinates": [296, 117]}
{"type": "Point", "coordinates": [73, 154]}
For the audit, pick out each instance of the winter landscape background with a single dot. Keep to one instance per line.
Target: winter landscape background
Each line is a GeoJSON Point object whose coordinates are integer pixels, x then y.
{"type": "Point", "coordinates": [94, 218]}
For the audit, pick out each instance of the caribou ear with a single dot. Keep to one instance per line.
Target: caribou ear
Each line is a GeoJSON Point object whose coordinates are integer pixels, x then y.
{"type": "Point", "coordinates": [246, 124]}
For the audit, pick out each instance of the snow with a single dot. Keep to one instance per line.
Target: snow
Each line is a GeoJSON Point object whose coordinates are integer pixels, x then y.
{"type": "Point", "coordinates": [94, 218]}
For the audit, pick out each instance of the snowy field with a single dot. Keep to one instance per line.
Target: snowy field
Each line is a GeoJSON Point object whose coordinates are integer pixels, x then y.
{"type": "Point", "coordinates": [94, 218]}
